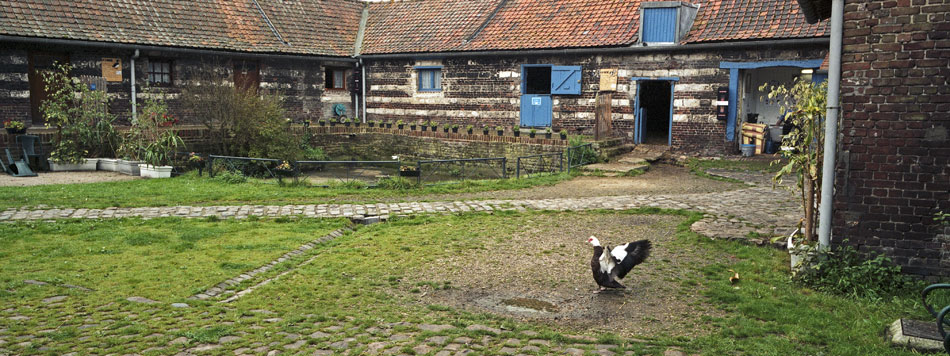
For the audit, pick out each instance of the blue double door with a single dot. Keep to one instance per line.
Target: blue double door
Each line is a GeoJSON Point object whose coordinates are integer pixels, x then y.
{"type": "Point", "coordinates": [538, 83]}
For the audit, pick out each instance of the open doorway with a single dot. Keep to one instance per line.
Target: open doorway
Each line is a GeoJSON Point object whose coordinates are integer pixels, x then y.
{"type": "Point", "coordinates": [655, 108]}
{"type": "Point", "coordinates": [537, 79]}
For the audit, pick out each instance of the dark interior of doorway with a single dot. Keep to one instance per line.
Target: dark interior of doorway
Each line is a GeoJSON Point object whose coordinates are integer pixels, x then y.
{"type": "Point", "coordinates": [655, 99]}
{"type": "Point", "coordinates": [537, 80]}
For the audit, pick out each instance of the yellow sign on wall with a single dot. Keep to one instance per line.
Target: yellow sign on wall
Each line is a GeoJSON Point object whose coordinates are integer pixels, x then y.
{"type": "Point", "coordinates": [112, 69]}
{"type": "Point", "coordinates": [608, 79]}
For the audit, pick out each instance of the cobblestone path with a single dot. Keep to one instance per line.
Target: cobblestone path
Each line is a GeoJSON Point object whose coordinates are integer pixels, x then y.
{"type": "Point", "coordinates": [755, 213]}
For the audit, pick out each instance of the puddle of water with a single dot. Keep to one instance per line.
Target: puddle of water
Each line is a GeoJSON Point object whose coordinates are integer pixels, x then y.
{"type": "Point", "coordinates": [529, 305]}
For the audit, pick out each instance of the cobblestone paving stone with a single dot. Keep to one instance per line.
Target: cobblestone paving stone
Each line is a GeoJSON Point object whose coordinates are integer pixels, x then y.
{"type": "Point", "coordinates": [754, 213]}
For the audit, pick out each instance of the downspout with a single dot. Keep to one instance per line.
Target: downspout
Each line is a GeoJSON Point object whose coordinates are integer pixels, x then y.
{"type": "Point", "coordinates": [357, 48]}
{"type": "Point", "coordinates": [363, 83]}
{"type": "Point", "coordinates": [134, 57]}
{"type": "Point", "coordinates": [831, 126]}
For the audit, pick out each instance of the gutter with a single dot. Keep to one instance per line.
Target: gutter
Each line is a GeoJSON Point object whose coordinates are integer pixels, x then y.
{"type": "Point", "coordinates": [609, 50]}
{"type": "Point", "coordinates": [53, 42]}
{"type": "Point", "coordinates": [825, 210]}
{"type": "Point", "coordinates": [135, 55]}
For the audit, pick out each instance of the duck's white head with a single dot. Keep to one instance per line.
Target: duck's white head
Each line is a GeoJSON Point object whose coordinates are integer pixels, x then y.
{"type": "Point", "coordinates": [593, 241]}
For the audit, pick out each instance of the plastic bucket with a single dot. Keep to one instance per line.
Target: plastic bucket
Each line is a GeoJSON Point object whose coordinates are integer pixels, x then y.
{"type": "Point", "coordinates": [748, 150]}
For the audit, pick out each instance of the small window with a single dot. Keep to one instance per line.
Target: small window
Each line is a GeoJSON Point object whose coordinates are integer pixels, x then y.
{"type": "Point", "coordinates": [335, 78]}
{"type": "Point", "coordinates": [430, 78]}
{"type": "Point", "coordinates": [659, 25]}
{"type": "Point", "coordinates": [159, 72]}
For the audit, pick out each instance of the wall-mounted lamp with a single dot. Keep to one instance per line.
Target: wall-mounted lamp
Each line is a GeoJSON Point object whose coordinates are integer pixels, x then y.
{"type": "Point", "coordinates": [808, 71]}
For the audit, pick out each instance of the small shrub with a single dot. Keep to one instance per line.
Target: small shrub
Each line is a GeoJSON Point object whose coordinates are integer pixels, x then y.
{"type": "Point", "coordinates": [845, 271]}
{"type": "Point", "coordinates": [230, 177]}
{"type": "Point", "coordinates": [396, 183]}
{"type": "Point", "coordinates": [314, 154]}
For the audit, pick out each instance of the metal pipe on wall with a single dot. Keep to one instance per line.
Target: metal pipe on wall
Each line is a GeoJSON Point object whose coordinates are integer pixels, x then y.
{"type": "Point", "coordinates": [363, 83]}
{"type": "Point", "coordinates": [132, 81]}
{"type": "Point", "coordinates": [831, 126]}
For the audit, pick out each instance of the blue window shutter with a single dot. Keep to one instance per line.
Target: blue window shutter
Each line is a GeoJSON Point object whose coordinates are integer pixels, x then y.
{"type": "Point", "coordinates": [659, 24]}
{"type": "Point", "coordinates": [566, 80]}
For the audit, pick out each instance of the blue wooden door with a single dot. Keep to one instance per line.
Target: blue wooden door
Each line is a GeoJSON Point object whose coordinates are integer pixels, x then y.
{"type": "Point", "coordinates": [536, 110]}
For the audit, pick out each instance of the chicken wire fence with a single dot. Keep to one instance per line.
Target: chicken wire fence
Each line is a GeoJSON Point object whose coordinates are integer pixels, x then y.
{"type": "Point", "coordinates": [424, 172]}
{"type": "Point", "coordinates": [457, 170]}
{"type": "Point", "coordinates": [545, 163]}
{"type": "Point", "coordinates": [581, 155]}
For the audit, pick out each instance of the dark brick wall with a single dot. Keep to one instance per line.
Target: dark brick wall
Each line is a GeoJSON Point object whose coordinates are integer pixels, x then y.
{"type": "Point", "coordinates": [382, 144]}
{"type": "Point", "coordinates": [894, 174]}
{"type": "Point", "coordinates": [301, 82]}
{"type": "Point", "coordinates": [485, 91]}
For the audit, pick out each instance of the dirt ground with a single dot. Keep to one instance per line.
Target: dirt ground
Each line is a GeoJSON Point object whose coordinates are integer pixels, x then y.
{"type": "Point", "coordinates": [659, 179]}
{"type": "Point", "coordinates": [543, 274]}
{"type": "Point", "coordinates": [63, 178]}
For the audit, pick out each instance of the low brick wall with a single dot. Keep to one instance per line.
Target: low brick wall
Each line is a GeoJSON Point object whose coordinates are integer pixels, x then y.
{"type": "Point", "coordinates": [381, 143]}
{"type": "Point", "coordinates": [365, 142]}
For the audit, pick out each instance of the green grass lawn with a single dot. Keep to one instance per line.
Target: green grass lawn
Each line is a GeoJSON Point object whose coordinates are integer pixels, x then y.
{"type": "Point", "coordinates": [191, 189]}
{"type": "Point", "coordinates": [365, 288]}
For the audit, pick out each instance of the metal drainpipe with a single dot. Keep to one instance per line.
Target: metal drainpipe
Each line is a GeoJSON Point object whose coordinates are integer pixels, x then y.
{"type": "Point", "coordinates": [363, 83]}
{"type": "Point", "coordinates": [132, 81]}
{"type": "Point", "coordinates": [831, 126]}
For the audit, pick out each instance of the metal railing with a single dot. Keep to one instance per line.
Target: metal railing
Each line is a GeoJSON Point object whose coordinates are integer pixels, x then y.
{"type": "Point", "coordinates": [456, 170]}
{"type": "Point", "coordinates": [941, 315]}
{"type": "Point", "coordinates": [247, 166]}
{"type": "Point", "coordinates": [322, 173]}
{"type": "Point", "coordinates": [581, 155]}
{"type": "Point", "coordinates": [545, 163]}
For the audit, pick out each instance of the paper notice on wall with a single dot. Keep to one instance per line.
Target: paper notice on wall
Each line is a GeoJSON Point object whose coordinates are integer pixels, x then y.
{"type": "Point", "coordinates": [112, 69]}
{"type": "Point", "coordinates": [608, 79]}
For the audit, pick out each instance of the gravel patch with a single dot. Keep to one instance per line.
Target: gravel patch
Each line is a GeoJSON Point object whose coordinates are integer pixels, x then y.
{"type": "Point", "coordinates": [549, 261]}
{"type": "Point", "coordinates": [659, 179]}
{"type": "Point", "coordinates": [45, 178]}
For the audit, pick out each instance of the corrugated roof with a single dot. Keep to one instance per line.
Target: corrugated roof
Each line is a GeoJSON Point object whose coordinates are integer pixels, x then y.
{"type": "Point", "coordinates": [323, 27]}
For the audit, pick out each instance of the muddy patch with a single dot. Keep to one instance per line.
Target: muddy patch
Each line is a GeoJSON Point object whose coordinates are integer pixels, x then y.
{"type": "Point", "coordinates": [543, 274]}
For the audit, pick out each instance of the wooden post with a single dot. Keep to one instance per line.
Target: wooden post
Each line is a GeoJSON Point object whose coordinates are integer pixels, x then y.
{"type": "Point", "coordinates": [602, 116]}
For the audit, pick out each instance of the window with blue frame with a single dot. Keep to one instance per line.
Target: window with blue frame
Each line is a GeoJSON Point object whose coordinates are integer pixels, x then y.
{"type": "Point", "coordinates": [430, 78]}
{"type": "Point", "coordinates": [659, 25]}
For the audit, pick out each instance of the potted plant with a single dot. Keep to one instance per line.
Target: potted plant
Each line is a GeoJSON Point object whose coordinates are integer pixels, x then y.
{"type": "Point", "coordinates": [332, 122]}
{"type": "Point", "coordinates": [284, 169]}
{"type": "Point", "coordinates": [356, 121]}
{"type": "Point", "coordinates": [412, 126]}
{"type": "Point", "coordinates": [371, 123]}
{"type": "Point", "coordinates": [196, 161]}
{"type": "Point", "coordinates": [14, 127]}
{"type": "Point", "coordinates": [425, 125]}
{"type": "Point", "coordinates": [129, 155]}
{"type": "Point", "coordinates": [158, 141]}
{"type": "Point", "coordinates": [389, 124]}
{"type": "Point", "coordinates": [469, 129]}
{"type": "Point", "coordinates": [346, 122]}
{"type": "Point", "coordinates": [446, 128]}
{"type": "Point", "coordinates": [563, 134]}
{"type": "Point", "coordinates": [485, 130]}
{"type": "Point", "coordinates": [408, 171]}
{"type": "Point", "coordinates": [500, 130]}
{"type": "Point", "coordinates": [532, 132]}
{"type": "Point", "coordinates": [322, 122]}
{"type": "Point", "coordinates": [516, 130]}
{"type": "Point", "coordinates": [455, 128]}
{"type": "Point", "coordinates": [548, 132]}
{"type": "Point", "coordinates": [400, 124]}
{"type": "Point", "coordinates": [63, 110]}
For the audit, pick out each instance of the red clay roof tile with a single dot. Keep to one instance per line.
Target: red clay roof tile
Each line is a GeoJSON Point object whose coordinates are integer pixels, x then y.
{"type": "Point", "coordinates": [311, 27]}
